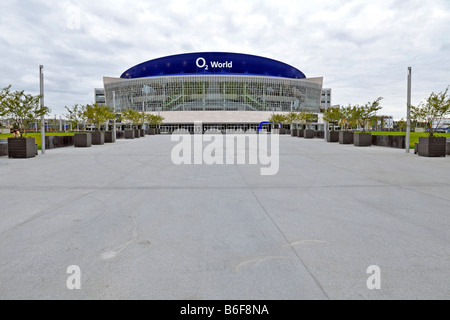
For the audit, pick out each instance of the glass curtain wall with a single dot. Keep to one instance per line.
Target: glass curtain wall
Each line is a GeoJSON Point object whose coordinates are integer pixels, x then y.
{"type": "Point", "coordinates": [207, 93]}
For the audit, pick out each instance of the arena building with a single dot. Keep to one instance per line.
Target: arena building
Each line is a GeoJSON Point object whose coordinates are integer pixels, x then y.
{"type": "Point", "coordinates": [223, 90]}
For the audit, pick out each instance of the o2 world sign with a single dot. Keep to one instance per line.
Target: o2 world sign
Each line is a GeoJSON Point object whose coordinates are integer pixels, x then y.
{"type": "Point", "coordinates": [203, 64]}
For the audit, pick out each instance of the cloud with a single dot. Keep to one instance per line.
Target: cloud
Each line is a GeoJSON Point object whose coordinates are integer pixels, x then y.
{"type": "Point", "coordinates": [361, 49]}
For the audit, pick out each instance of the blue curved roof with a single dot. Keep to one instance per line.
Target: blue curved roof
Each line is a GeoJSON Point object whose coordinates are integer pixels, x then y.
{"type": "Point", "coordinates": [213, 63]}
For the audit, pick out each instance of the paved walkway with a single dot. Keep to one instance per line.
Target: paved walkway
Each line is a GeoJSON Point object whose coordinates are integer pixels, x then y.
{"type": "Point", "coordinates": [140, 227]}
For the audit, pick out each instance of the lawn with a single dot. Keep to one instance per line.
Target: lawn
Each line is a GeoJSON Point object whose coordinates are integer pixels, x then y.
{"type": "Point", "coordinates": [37, 136]}
{"type": "Point", "coordinates": [414, 135]}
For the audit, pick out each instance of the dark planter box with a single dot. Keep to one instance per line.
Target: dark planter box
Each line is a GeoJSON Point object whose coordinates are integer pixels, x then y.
{"type": "Point", "coordinates": [3, 147]}
{"type": "Point", "coordinates": [158, 131]}
{"type": "Point", "coordinates": [309, 134]}
{"type": "Point", "coordinates": [362, 139]}
{"type": "Point", "coordinates": [120, 134]}
{"type": "Point", "coordinates": [398, 142]}
{"type": "Point", "coordinates": [23, 148]}
{"type": "Point", "coordinates": [300, 133]}
{"type": "Point", "coordinates": [109, 137]}
{"type": "Point", "coordinates": [142, 132]}
{"type": "Point", "coordinates": [381, 141]}
{"type": "Point", "coordinates": [288, 131]}
{"type": "Point", "coordinates": [151, 132]}
{"type": "Point", "coordinates": [82, 140]}
{"type": "Point", "coordinates": [447, 152]}
{"type": "Point", "coordinates": [294, 132]}
{"type": "Point", "coordinates": [282, 131]}
{"type": "Point", "coordinates": [391, 141]}
{"type": "Point", "coordinates": [98, 138]}
{"type": "Point", "coordinates": [129, 134]}
{"type": "Point", "coordinates": [333, 136]}
{"type": "Point", "coordinates": [345, 137]}
{"type": "Point", "coordinates": [53, 142]}
{"type": "Point", "coordinates": [137, 133]}
{"type": "Point", "coordinates": [319, 134]}
{"type": "Point", "coordinates": [432, 146]}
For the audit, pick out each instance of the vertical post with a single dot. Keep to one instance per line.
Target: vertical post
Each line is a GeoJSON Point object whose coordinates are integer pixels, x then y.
{"type": "Point", "coordinates": [114, 122]}
{"type": "Point", "coordinates": [408, 113]}
{"type": "Point", "coordinates": [41, 81]}
{"type": "Point", "coordinates": [143, 111]}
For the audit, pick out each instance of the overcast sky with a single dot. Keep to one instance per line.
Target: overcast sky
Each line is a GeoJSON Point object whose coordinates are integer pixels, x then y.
{"type": "Point", "coordinates": [361, 48]}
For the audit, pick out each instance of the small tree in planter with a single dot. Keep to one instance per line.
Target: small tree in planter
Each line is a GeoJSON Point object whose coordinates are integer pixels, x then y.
{"type": "Point", "coordinates": [133, 117]}
{"type": "Point", "coordinates": [98, 115]}
{"type": "Point", "coordinates": [435, 108]}
{"type": "Point", "coordinates": [277, 119]}
{"type": "Point", "coordinates": [292, 119]}
{"type": "Point", "coordinates": [348, 120]}
{"type": "Point", "coordinates": [333, 116]}
{"type": "Point", "coordinates": [76, 116]}
{"type": "Point", "coordinates": [154, 120]}
{"type": "Point", "coordinates": [307, 118]}
{"type": "Point", "coordinates": [364, 114]}
{"type": "Point", "coordinates": [22, 109]}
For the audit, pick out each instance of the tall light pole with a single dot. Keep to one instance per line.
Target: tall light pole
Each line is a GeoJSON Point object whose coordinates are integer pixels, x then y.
{"type": "Point", "coordinates": [114, 123]}
{"type": "Point", "coordinates": [408, 112]}
{"type": "Point", "coordinates": [41, 81]}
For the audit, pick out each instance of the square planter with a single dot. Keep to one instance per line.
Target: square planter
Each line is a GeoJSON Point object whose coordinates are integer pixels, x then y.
{"type": "Point", "coordinates": [294, 132]}
{"type": "Point", "coordinates": [120, 134]}
{"type": "Point", "coordinates": [345, 137]}
{"type": "Point", "coordinates": [380, 140]}
{"type": "Point", "coordinates": [282, 131]}
{"type": "Point", "coordinates": [447, 148]}
{"type": "Point", "coordinates": [129, 134]}
{"type": "Point", "coordinates": [362, 139]}
{"type": "Point", "coordinates": [319, 134]}
{"type": "Point", "coordinates": [142, 132]}
{"type": "Point", "coordinates": [151, 132]}
{"type": "Point", "coordinates": [109, 137]}
{"type": "Point", "coordinates": [22, 148]}
{"type": "Point", "coordinates": [398, 142]}
{"type": "Point", "coordinates": [53, 142]}
{"type": "Point", "coordinates": [333, 136]}
{"type": "Point", "coordinates": [137, 133]}
{"type": "Point", "coordinates": [82, 140]}
{"type": "Point", "coordinates": [98, 138]}
{"type": "Point", "coordinates": [432, 146]}
{"type": "Point", "coordinates": [3, 147]}
{"type": "Point", "coordinates": [309, 134]}
{"type": "Point", "coordinates": [300, 133]}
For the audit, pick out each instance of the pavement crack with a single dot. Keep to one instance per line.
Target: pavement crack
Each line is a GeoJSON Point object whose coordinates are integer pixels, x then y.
{"type": "Point", "coordinates": [112, 253]}
{"type": "Point", "coordinates": [316, 281]}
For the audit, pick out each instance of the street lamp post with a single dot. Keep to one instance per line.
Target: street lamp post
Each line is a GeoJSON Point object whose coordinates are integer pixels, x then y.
{"type": "Point", "coordinates": [41, 82]}
{"type": "Point", "coordinates": [114, 122]}
{"type": "Point", "coordinates": [408, 112]}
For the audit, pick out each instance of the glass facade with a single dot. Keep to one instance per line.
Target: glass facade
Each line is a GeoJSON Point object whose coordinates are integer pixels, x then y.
{"type": "Point", "coordinates": [214, 92]}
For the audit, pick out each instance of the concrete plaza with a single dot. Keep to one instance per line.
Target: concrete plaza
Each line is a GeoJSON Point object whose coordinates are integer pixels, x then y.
{"type": "Point", "coordinates": [140, 227]}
